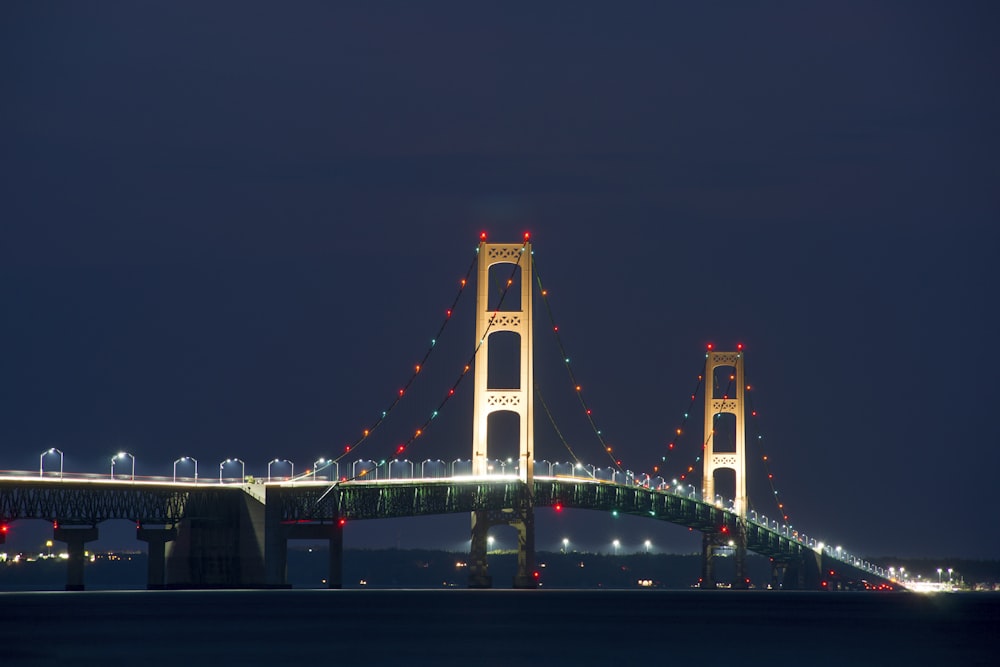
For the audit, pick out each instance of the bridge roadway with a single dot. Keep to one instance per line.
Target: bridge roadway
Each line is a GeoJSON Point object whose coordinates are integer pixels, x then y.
{"type": "Point", "coordinates": [236, 524]}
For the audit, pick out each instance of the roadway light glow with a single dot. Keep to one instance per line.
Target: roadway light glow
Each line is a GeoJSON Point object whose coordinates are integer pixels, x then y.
{"type": "Point", "coordinates": [187, 458]}
{"type": "Point", "coordinates": [41, 461]}
{"type": "Point", "coordinates": [122, 455]}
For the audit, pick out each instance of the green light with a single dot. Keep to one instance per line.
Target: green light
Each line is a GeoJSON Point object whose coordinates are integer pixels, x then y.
{"type": "Point", "coordinates": [614, 512]}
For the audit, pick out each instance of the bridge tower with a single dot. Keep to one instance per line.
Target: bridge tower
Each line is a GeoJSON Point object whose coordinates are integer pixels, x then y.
{"type": "Point", "coordinates": [519, 400]}
{"type": "Point", "coordinates": [729, 403]}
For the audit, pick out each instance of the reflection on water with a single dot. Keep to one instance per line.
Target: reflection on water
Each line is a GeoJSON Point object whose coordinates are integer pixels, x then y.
{"type": "Point", "coordinates": [496, 627]}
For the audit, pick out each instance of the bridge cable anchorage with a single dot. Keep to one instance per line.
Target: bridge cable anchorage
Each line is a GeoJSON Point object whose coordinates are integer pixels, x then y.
{"type": "Point", "coordinates": [555, 427]}
{"type": "Point", "coordinates": [681, 428]}
{"type": "Point", "coordinates": [448, 395]}
{"type": "Point", "coordinates": [569, 369]}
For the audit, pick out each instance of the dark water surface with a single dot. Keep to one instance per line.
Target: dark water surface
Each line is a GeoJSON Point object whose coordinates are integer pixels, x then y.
{"type": "Point", "coordinates": [497, 627]}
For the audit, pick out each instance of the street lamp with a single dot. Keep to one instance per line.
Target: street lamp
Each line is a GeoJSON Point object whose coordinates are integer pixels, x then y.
{"type": "Point", "coordinates": [243, 468]}
{"type": "Point", "coordinates": [647, 544]}
{"type": "Point", "coordinates": [321, 462]}
{"type": "Point", "coordinates": [187, 458]}
{"type": "Point", "coordinates": [939, 575]}
{"type": "Point", "coordinates": [122, 455]}
{"type": "Point", "coordinates": [273, 461]}
{"type": "Point", "coordinates": [41, 461]}
{"type": "Point", "coordinates": [616, 544]}
{"type": "Point", "coordinates": [565, 545]}
{"type": "Point", "coordinates": [489, 543]}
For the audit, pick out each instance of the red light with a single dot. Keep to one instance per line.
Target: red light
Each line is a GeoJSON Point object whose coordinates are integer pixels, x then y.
{"type": "Point", "coordinates": [341, 522]}
{"type": "Point", "coordinates": [725, 529]}
{"type": "Point", "coordinates": [400, 449]}
{"type": "Point", "coordinates": [527, 235]}
{"type": "Point", "coordinates": [536, 574]}
{"type": "Point", "coordinates": [3, 528]}
{"type": "Point", "coordinates": [739, 346]}
{"type": "Point", "coordinates": [710, 346]}
{"type": "Point", "coordinates": [482, 236]}
{"type": "Point", "coordinates": [558, 507]}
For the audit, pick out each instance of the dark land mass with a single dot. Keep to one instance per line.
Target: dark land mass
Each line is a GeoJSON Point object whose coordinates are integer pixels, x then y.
{"type": "Point", "coordinates": [419, 568]}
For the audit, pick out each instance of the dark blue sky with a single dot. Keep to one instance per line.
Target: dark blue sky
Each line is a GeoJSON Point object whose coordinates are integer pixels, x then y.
{"type": "Point", "coordinates": [230, 229]}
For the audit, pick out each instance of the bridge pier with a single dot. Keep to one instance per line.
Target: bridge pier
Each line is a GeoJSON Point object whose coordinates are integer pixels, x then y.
{"type": "Point", "coordinates": [277, 534]}
{"type": "Point", "coordinates": [75, 539]}
{"type": "Point", "coordinates": [157, 539]}
{"type": "Point", "coordinates": [524, 522]}
{"type": "Point", "coordinates": [778, 570]}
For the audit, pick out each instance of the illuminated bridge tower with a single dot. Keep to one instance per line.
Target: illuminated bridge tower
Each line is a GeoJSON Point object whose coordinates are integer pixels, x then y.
{"type": "Point", "coordinates": [518, 400]}
{"type": "Point", "coordinates": [732, 402]}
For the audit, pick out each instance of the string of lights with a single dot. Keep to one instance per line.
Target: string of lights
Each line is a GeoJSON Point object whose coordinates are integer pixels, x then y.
{"type": "Point", "coordinates": [708, 436]}
{"type": "Point", "coordinates": [681, 429]}
{"type": "Point", "coordinates": [366, 433]}
{"type": "Point", "coordinates": [402, 447]}
{"type": "Point", "coordinates": [555, 427]}
{"type": "Point", "coordinates": [577, 387]}
{"type": "Point", "coordinates": [758, 439]}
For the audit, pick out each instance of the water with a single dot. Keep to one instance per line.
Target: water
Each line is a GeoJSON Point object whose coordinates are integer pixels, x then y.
{"type": "Point", "coordinates": [496, 627]}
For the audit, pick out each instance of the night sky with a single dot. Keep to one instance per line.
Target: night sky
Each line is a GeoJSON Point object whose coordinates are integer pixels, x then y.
{"type": "Point", "coordinates": [232, 229]}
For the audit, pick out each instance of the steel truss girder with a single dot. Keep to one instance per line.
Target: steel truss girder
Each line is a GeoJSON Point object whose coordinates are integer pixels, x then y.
{"type": "Point", "coordinates": [88, 504]}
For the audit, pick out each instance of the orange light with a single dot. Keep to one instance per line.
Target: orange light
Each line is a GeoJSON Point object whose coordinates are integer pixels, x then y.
{"type": "Point", "coordinates": [417, 368]}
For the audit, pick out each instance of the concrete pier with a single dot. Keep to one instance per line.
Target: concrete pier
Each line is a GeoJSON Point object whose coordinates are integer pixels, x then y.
{"type": "Point", "coordinates": [75, 539]}
{"type": "Point", "coordinates": [157, 539]}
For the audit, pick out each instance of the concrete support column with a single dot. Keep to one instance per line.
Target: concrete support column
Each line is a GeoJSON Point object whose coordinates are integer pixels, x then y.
{"type": "Point", "coordinates": [479, 575]}
{"type": "Point", "coordinates": [275, 543]}
{"type": "Point", "coordinates": [778, 570]}
{"type": "Point", "coordinates": [335, 578]}
{"type": "Point", "coordinates": [740, 554]}
{"type": "Point", "coordinates": [525, 575]}
{"type": "Point", "coordinates": [157, 539]}
{"type": "Point", "coordinates": [75, 539]}
{"type": "Point", "coordinates": [707, 564]}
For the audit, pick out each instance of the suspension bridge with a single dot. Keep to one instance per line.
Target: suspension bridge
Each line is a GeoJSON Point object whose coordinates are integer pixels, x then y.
{"type": "Point", "coordinates": [204, 533]}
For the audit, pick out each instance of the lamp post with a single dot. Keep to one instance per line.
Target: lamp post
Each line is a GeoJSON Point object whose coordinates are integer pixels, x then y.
{"type": "Point", "coordinates": [187, 458]}
{"type": "Point", "coordinates": [122, 455]}
{"type": "Point", "coordinates": [647, 544]}
{"type": "Point", "coordinates": [243, 468]}
{"type": "Point", "coordinates": [321, 462]}
{"type": "Point", "coordinates": [565, 544]}
{"type": "Point", "coordinates": [41, 461]}
{"type": "Point", "coordinates": [616, 544]}
{"type": "Point", "coordinates": [489, 543]}
{"type": "Point", "coordinates": [273, 461]}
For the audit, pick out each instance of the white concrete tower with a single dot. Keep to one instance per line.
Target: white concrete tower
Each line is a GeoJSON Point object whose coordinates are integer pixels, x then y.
{"type": "Point", "coordinates": [519, 400]}
{"type": "Point", "coordinates": [732, 404]}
